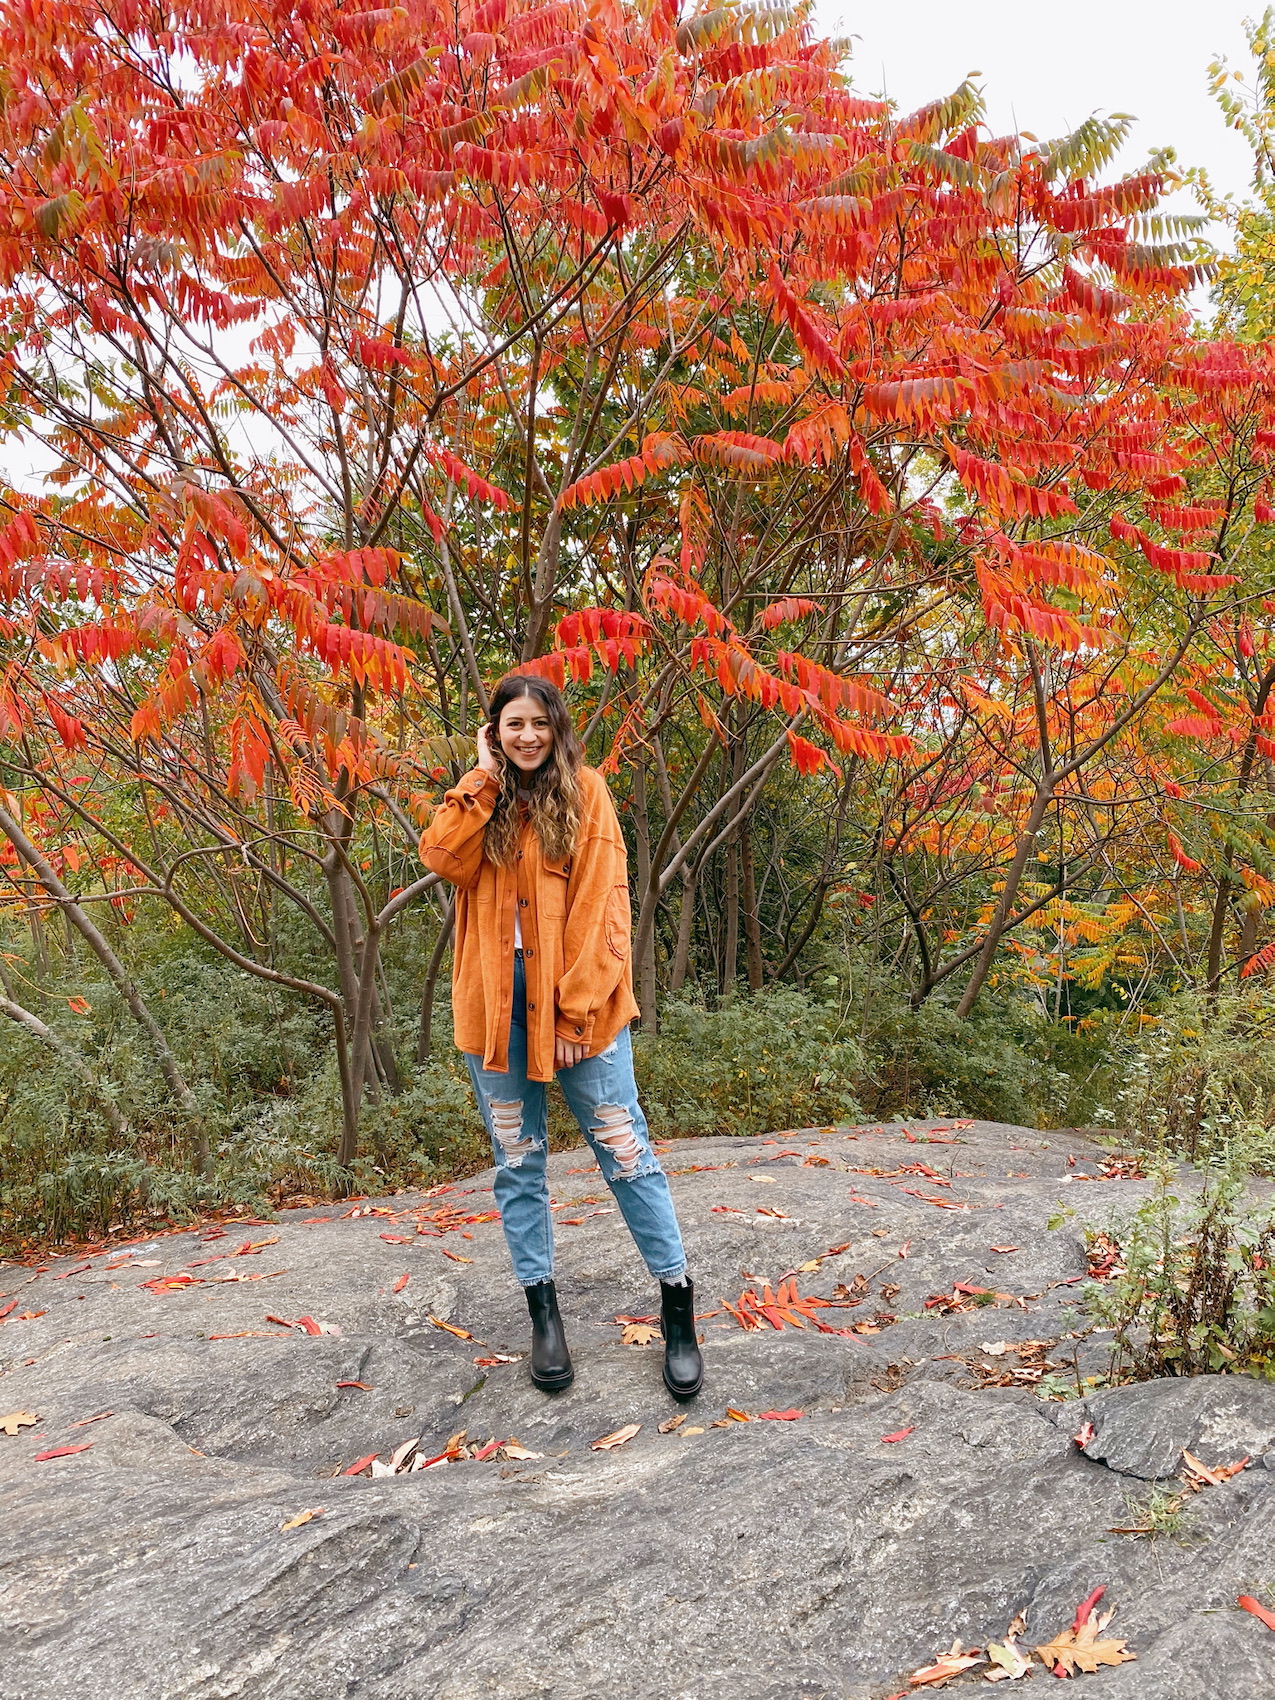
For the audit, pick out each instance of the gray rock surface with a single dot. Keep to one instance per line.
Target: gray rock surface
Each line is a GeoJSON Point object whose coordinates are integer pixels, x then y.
{"type": "Point", "coordinates": [806, 1559]}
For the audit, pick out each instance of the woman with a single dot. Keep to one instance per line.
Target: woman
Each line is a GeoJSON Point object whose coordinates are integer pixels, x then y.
{"type": "Point", "coordinates": [542, 985]}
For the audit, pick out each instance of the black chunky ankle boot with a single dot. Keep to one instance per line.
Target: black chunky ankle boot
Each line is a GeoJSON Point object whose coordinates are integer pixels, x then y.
{"type": "Point", "coordinates": [551, 1367]}
{"type": "Point", "coordinates": [683, 1365]}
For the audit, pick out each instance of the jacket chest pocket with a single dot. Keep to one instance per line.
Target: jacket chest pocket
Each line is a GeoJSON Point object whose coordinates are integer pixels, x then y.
{"type": "Point", "coordinates": [552, 893]}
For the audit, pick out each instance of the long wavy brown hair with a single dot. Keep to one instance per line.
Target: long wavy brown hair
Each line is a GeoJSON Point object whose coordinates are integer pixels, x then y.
{"type": "Point", "coordinates": [554, 801]}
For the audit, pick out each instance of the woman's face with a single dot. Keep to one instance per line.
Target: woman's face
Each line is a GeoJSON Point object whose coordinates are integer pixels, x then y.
{"type": "Point", "coordinates": [525, 733]}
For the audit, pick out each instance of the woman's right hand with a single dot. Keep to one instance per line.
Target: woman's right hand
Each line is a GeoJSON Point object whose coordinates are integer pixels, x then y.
{"type": "Point", "coordinates": [486, 754]}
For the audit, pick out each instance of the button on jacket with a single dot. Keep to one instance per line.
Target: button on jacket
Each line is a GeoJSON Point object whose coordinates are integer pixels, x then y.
{"type": "Point", "coordinates": [574, 917]}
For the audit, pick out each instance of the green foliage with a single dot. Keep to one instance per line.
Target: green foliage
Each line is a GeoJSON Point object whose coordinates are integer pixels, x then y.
{"type": "Point", "coordinates": [1005, 1062]}
{"type": "Point", "coordinates": [776, 1059]}
{"type": "Point", "coordinates": [1193, 1292]}
{"type": "Point", "coordinates": [1200, 1081]}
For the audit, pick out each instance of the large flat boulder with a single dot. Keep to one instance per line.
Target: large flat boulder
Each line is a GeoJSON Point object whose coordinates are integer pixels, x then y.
{"type": "Point", "coordinates": [923, 1493]}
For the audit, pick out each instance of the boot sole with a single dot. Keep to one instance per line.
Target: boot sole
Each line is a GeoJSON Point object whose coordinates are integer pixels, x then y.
{"type": "Point", "coordinates": [683, 1393]}
{"type": "Point", "coordinates": [554, 1384]}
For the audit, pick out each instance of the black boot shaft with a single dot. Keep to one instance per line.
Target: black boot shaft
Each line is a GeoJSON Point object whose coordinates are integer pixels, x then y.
{"type": "Point", "coordinates": [551, 1367]}
{"type": "Point", "coordinates": [683, 1364]}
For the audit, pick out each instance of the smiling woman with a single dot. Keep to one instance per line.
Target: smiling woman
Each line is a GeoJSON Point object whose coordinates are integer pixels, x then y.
{"type": "Point", "coordinates": [542, 986]}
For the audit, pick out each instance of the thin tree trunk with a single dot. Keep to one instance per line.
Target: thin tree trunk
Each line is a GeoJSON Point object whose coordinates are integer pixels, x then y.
{"type": "Point", "coordinates": [646, 955]}
{"type": "Point", "coordinates": [120, 978]}
{"type": "Point", "coordinates": [685, 927]}
{"type": "Point", "coordinates": [730, 947]}
{"type": "Point", "coordinates": [71, 1059]}
{"type": "Point", "coordinates": [425, 1039]}
{"type": "Point", "coordinates": [752, 921]}
{"type": "Point", "coordinates": [1013, 879]}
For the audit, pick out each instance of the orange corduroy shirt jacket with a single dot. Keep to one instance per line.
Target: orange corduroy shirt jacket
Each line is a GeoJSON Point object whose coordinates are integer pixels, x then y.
{"type": "Point", "coordinates": [575, 919]}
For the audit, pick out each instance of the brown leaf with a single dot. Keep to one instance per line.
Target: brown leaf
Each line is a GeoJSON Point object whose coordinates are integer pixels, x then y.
{"type": "Point", "coordinates": [638, 1334]}
{"type": "Point", "coordinates": [672, 1423]}
{"type": "Point", "coordinates": [460, 1333]}
{"type": "Point", "coordinates": [18, 1419]}
{"type": "Point", "coordinates": [621, 1437]}
{"type": "Point", "coordinates": [1080, 1649]}
{"type": "Point", "coordinates": [301, 1517]}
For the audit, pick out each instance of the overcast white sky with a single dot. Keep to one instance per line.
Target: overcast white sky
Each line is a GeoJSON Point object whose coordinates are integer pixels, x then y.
{"type": "Point", "coordinates": [1047, 66]}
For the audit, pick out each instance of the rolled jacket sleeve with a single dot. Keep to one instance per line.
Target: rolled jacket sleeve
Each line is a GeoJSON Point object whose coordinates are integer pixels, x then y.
{"type": "Point", "coordinates": [452, 843]}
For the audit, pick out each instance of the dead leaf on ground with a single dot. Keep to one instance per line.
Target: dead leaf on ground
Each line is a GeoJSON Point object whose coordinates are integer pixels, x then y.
{"type": "Point", "coordinates": [449, 1328]}
{"type": "Point", "coordinates": [1009, 1661]}
{"type": "Point", "coordinates": [18, 1419]}
{"type": "Point", "coordinates": [1081, 1649]}
{"type": "Point", "coordinates": [900, 1434]}
{"type": "Point", "coordinates": [672, 1423]}
{"type": "Point", "coordinates": [62, 1451]}
{"type": "Point", "coordinates": [946, 1666]}
{"type": "Point", "coordinates": [363, 1386]}
{"type": "Point", "coordinates": [621, 1437]}
{"type": "Point", "coordinates": [1083, 1435]}
{"type": "Point", "coordinates": [638, 1334]}
{"type": "Point", "coordinates": [301, 1517]}
{"type": "Point", "coordinates": [400, 1283]}
{"type": "Point", "coordinates": [1198, 1476]}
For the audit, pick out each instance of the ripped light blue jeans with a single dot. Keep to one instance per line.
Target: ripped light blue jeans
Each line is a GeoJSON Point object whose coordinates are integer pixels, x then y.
{"type": "Point", "coordinates": [602, 1096]}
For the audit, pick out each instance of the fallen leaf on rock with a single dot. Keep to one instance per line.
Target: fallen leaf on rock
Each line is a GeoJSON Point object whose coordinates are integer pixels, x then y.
{"type": "Point", "coordinates": [995, 1348]}
{"type": "Point", "coordinates": [30, 1315]}
{"type": "Point", "coordinates": [1003, 1249]}
{"type": "Point", "coordinates": [1083, 1435]}
{"type": "Point", "coordinates": [5, 1309]}
{"type": "Point", "coordinates": [363, 1386]}
{"type": "Point", "coordinates": [1009, 1660]}
{"type": "Point", "coordinates": [686, 1431]}
{"type": "Point", "coordinates": [449, 1328]}
{"type": "Point", "coordinates": [670, 1424]}
{"type": "Point", "coordinates": [18, 1419]}
{"type": "Point", "coordinates": [638, 1334]}
{"type": "Point", "coordinates": [1085, 1609]}
{"type": "Point", "coordinates": [1248, 1603]}
{"type": "Point", "coordinates": [511, 1449]}
{"type": "Point", "coordinates": [454, 1255]}
{"type": "Point", "coordinates": [250, 1248]}
{"type": "Point", "coordinates": [880, 1233]}
{"type": "Point", "coordinates": [729, 1210]}
{"type": "Point", "coordinates": [97, 1417]}
{"type": "Point", "coordinates": [400, 1283]}
{"type": "Point", "coordinates": [762, 1180]}
{"type": "Point", "coordinates": [400, 1453]}
{"type": "Point", "coordinates": [621, 1437]}
{"type": "Point", "coordinates": [397, 1239]}
{"type": "Point", "coordinates": [1198, 1476]}
{"type": "Point", "coordinates": [300, 1518]}
{"type": "Point", "coordinates": [809, 1268]}
{"type": "Point", "coordinates": [80, 1269]}
{"type": "Point", "coordinates": [362, 1464]}
{"type": "Point", "coordinates": [1080, 1649]}
{"type": "Point", "coordinates": [946, 1666]}
{"type": "Point", "coordinates": [779, 1416]}
{"type": "Point", "coordinates": [899, 1434]}
{"type": "Point", "coordinates": [309, 1324]}
{"type": "Point", "coordinates": [62, 1451]}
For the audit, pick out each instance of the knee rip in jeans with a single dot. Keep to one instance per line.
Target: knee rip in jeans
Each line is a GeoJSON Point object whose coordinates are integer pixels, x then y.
{"type": "Point", "coordinates": [613, 1127]}
{"type": "Point", "coordinates": [506, 1121]}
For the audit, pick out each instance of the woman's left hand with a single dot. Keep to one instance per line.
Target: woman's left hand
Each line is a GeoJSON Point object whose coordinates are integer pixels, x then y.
{"type": "Point", "coordinates": [566, 1054]}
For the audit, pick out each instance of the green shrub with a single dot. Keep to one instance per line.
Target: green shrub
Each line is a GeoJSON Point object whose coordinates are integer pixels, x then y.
{"type": "Point", "coordinates": [1202, 1077]}
{"type": "Point", "coordinates": [1193, 1290]}
{"type": "Point", "coordinates": [771, 1060]}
